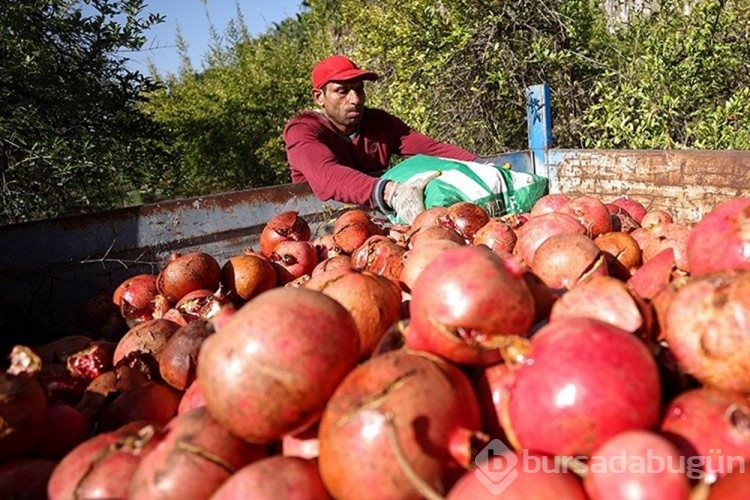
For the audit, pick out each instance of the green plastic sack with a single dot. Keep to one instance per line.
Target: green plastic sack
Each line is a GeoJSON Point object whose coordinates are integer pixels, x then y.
{"type": "Point", "coordinates": [498, 190]}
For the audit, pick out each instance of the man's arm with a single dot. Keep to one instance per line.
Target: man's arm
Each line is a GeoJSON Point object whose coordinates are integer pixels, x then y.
{"type": "Point", "coordinates": [413, 142]}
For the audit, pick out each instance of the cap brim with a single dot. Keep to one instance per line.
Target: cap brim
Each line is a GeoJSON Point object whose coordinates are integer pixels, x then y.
{"type": "Point", "coordinates": [354, 74]}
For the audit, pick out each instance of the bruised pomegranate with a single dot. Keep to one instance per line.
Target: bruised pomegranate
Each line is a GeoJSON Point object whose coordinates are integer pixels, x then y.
{"type": "Point", "coordinates": [564, 260]}
{"type": "Point", "coordinates": [430, 233]}
{"type": "Point", "coordinates": [558, 378]}
{"type": "Point", "coordinates": [669, 235]}
{"type": "Point", "coordinates": [195, 456]}
{"type": "Point", "coordinates": [326, 247]}
{"type": "Point", "coordinates": [331, 263]}
{"type": "Point", "coordinates": [622, 253]}
{"type": "Point", "coordinates": [285, 226]}
{"type": "Point", "coordinates": [292, 260]}
{"type": "Point", "coordinates": [379, 255]}
{"type": "Point", "coordinates": [707, 327]}
{"type": "Point", "coordinates": [633, 207]}
{"type": "Point", "coordinates": [720, 241]}
{"type": "Point", "coordinates": [102, 466]}
{"type": "Point", "coordinates": [591, 212]}
{"type": "Point", "coordinates": [148, 338]}
{"type": "Point", "coordinates": [152, 401]}
{"type": "Point", "coordinates": [496, 235]}
{"type": "Point", "coordinates": [271, 369]}
{"type": "Point", "coordinates": [655, 217]}
{"type": "Point", "coordinates": [607, 299]}
{"type": "Point", "coordinates": [654, 274]}
{"type": "Point", "coordinates": [179, 356]}
{"type": "Point", "coordinates": [465, 301]}
{"type": "Point", "coordinates": [382, 411]}
{"type": "Point", "coordinates": [373, 301]}
{"type": "Point", "coordinates": [135, 298]}
{"type": "Point", "coordinates": [352, 228]}
{"type": "Point", "coordinates": [185, 273]}
{"type": "Point", "coordinates": [465, 218]}
{"type": "Point", "coordinates": [245, 276]}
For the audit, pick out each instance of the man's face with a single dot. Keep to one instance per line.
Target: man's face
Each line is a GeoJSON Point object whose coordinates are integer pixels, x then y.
{"type": "Point", "coordinates": [342, 103]}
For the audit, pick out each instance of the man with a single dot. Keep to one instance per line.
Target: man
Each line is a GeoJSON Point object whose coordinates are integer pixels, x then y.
{"type": "Point", "coordinates": [339, 147]}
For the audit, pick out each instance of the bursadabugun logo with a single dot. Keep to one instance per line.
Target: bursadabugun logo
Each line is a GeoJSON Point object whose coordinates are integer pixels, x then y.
{"type": "Point", "coordinates": [496, 467]}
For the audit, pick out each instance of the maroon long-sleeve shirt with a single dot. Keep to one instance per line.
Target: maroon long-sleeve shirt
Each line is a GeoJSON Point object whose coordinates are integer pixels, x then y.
{"type": "Point", "coordinates": [336, 166]}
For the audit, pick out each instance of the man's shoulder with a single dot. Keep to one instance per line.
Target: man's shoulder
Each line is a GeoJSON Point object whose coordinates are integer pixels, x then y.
{"type": "Point", "coordinates": [309, 117]}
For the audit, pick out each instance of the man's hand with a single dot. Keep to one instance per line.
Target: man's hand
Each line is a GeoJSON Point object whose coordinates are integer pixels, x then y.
{"type": "Point", "coordinates": [407, 199]}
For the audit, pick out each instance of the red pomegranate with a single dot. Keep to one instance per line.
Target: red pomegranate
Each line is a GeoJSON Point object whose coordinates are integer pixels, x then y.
{"type": "Point", "coordinates": [358, 290]}
{"type": "Point", "coordinates": [382, 423]}
{"type": "Point", "coordinates": [622, 253]}
{"type": "Point", "coordinates": [563, 261]}
{"type": "Point", "coordinates": [707, 328]}
{"type": "Point", "coordinates": [465, 218]}
{"type": "Point", "coordinates": [102, 466]}
{"type": "Point", "coordinates": [193, 459]}
{"type": "Point", "coordinates": [720, 241]}
{"type": "Point", "coordinates": [517, 476]}
{"type": "Point", "coordinates": [352, 228]}
{"type": "Point", "coordinates": [609, 300]}
{"type": "Point", "coordinates": [292, 260]}
{"type": "Point", "coordinates": [549, 203]}
{"type": "Point", "coordinates": [634, 207]}
{"type": "Point", "coordinates": [558, 378]}
{"type": "Point", "coordinates": [380, 255]}
{"type": "Point", "coordinates": [537, 229]}
{"type": "Point", "coordinates": [285, 226]}
{"type": "Point", "coordinates": [711, 428]}
{"type": "Point", "coordinates": [430, 233]}
{"type": "Point", "coordinates": [245, 276]}
{"type": "Point", "coordinates": [185, 273]}
{"type": "Point", "coordinates": [465, 301]}
{"type": "Point", "coordinates": [416, 259]}
{"type": "Point", "coordinates": [591, 212]}
{"type": "Point", "coordinates": [272, 367]}
{"type": "Point", "coordinates": [636, 464]}
{"type": "Point", "coordinates": [496, 235]}
{"type": "Point", "coordinates": [273, 478]}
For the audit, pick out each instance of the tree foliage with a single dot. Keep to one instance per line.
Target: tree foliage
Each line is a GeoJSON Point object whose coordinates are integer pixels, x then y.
{"type": "Point", "coordinates": [72, 138]}
{"type": "Point", "coordinates": [81, 132]}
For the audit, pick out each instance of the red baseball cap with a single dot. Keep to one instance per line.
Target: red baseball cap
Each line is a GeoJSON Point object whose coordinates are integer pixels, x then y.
{"type": "Point", "coordinates": [340, 69]}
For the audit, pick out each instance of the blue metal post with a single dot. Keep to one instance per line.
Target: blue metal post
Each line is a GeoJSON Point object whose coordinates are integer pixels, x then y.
{"type": "Point", "coordinates": [539, 119]}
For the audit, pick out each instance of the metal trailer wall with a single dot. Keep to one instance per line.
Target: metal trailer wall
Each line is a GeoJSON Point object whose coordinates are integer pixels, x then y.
{"type": "Point", "coordinates": [49, 268]}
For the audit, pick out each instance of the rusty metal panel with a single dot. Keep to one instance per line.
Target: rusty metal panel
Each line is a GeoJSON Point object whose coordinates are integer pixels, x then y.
{"type": "Point", "coordinates": [49, 267]}
{"type": "Point", "coordinates": [687, 183]}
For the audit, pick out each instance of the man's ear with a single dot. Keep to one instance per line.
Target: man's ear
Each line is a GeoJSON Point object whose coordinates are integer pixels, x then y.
{"type": "Point", "coordinates": [317, 95]}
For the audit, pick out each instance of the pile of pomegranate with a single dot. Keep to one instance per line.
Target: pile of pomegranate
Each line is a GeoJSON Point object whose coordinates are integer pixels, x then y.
{"type": "Point", "coordinates": [587, 349]}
